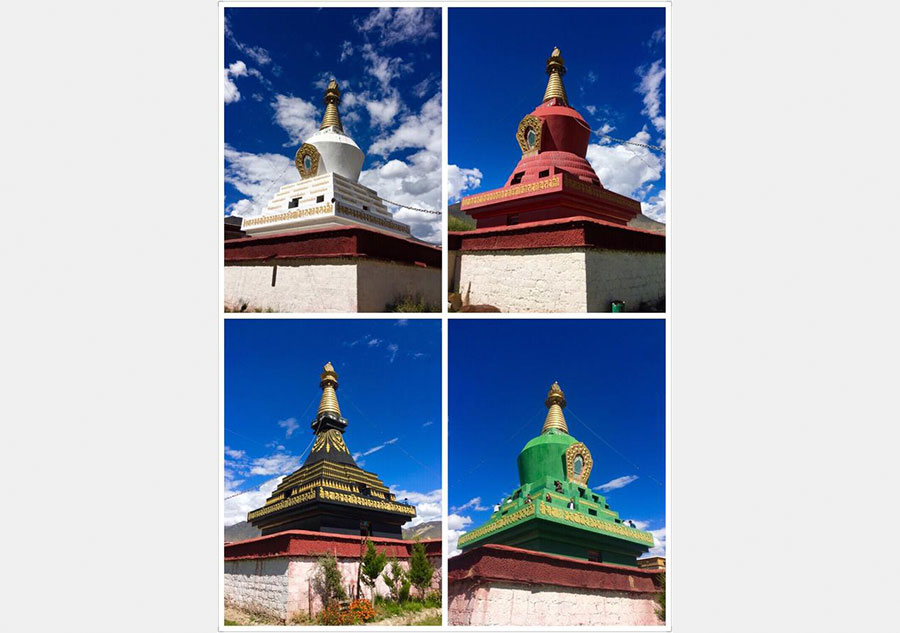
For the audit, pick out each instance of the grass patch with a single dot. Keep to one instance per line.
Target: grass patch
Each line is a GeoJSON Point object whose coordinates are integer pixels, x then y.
{"type": "Point", "coordinates": [433, 620]}
{"type": "Point", "coordinates": [458, 224]}
{"type": "Point", "coordinates": [410, 303]}
{"type": "Point", "coordinates": [231, 622]}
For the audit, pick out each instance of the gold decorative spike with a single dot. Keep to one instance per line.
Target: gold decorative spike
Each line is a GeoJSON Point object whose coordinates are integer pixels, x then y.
{"type": "Point", "coordinates": [556, 69]}
{"type": "Point", "coordinates": [555, 419]}
{"type": "Point", "coordinates": [332, 99]}
{"type": "Point", "coordinates": [328, 384]}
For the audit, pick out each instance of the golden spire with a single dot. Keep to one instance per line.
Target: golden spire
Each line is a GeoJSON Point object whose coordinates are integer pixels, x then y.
{"type": "Point", "coordinates": [332, 99]}
{"type": "Point", "coordinates": [555, 419]}
{"type": "Point", "coordinates": [328, 384]}
{"type": "Point", "coordinates": [556, 69]}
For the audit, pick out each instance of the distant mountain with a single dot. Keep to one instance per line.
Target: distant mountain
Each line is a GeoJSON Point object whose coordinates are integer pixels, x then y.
{"type": "Point", "coordinates": [243, 530]}
{"type": "Point", "coordinates": [430, 529]}
{"type": "Point", "coordinates": [240, 532]}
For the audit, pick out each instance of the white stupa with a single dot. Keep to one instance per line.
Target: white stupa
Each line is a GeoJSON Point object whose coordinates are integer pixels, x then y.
{"type": "Point", "coordinates": [328, 193]}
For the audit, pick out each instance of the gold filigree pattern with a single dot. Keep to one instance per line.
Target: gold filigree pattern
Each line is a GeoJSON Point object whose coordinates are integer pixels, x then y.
{"type": "Point", "coordinates": [331, 438]}
{"type": "Point", "coordinates": [572, 453]}
{"type": "Point", "coordinates": [290, 215]}
{"type": "Point", "coordinates": [509, 192]}
{"type": "Point", "coordinates": [373, 219]}
{"type": "Point", "coordinates": [604, 526]}
{"type": "Point", "coordinates": [502, 522]}
{"type": "Point", "coordinates": [281, 505]}
{"type": "Point", "coordinates": [529, 123]}
{"type": "Point", "coordinates": [368, 503]}
{"type": "Point", "coordinates": [598, 191]}
{"type": "Point", "coordinates": [307, 168]}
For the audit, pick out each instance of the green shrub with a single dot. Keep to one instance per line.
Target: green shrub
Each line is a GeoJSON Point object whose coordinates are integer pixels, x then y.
{"type": "Point", "coordinates": [433, 599]}
{"type": "Point", "coordinates": [404, 590]}
{"type": "Point", "coordinates": [420, 569]}
{"type": "Point", "coordinates": [327, 581]}
{"type": "Point", "coordinates": [373, 563]}
{"type": "Point", "coordinates": [394, 578]}
{"type": "Point", "coordinates": [458, 224]}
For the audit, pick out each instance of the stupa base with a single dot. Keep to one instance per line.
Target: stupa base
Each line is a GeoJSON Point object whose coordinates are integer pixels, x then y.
{"type": "Point", "coordinates": [508, 586]}
{"type": "Point", "coordinates": [576, 264]}
{"type": "Point", "coordinates": [348, 269]}
{"type": "Point", "coordinates": [273, 574]}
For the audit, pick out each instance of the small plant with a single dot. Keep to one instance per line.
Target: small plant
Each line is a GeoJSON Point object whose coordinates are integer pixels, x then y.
{"type": "Point", "coordinates": [403, 594]}
{"type": "Point", "coordinates": [394, 578]}
{"type": "Point", "coordinates": [433, 599]}
{"type": "Point", "coordinates": [420, 569]}
{"type": "Point", "coordinates": [661, 598]}
{"type": "Point", "coordinates": [373, 563]}
{"type": "Point", "coordinates": [328, 582]}
{"type": "Point", "coordinates": [458, 224]}
{"type": "Point", "coordinates": [410, 303]}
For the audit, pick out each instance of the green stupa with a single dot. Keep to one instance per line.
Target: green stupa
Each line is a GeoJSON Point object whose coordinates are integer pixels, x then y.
{"type": "Point", "coordinates": [554, 509]}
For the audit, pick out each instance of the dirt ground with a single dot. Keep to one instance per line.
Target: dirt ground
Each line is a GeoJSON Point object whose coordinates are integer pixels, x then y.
{"type": "Point", "coordinates": [244, 618]}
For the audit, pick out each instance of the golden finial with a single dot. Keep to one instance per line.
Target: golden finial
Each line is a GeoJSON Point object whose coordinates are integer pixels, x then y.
{"type": "Point", "coordinates": [329, 383]}
{"type": "Point", "coordinates": [556, 401]}
{"type": "Point", "coordinates": [332, 99]}
{"type": "Point", "coordinates": [556, 69]}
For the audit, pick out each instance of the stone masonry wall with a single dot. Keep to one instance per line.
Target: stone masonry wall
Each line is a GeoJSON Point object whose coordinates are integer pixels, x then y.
{"type": "Point", "coordinates": [349, 284]}
{"type": "Point", "coordinates": [576, 279]}
{"type": "Point", "coordinates": [282, 586]}
{"type": "Point", "coordinates": [532, 280]}
{"type": "Point", "coordinates": [260, 584]}
{"type": "Point", "coordinates": [503, 603]}
{"type": "Point", "coordinates": [381, 282]}
{"type": "Point", "coordinates": [314, 285]}
{"type": "Point", "coordinates": [627, 276]}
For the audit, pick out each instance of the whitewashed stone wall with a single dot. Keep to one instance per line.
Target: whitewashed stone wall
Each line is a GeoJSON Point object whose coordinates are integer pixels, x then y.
{"type": "Point", "coordinates": [545, 605]}
{"type": "Point", "coordinates": [282, 587]}
{"type": "Point", "coordinates": [258, 585]}
{"type": "Point", "coordinates": [329, 285]}
{"type": "Point", "coordinates": [562, 279]}
{"type": "Point", "coordinates": [381, 282]}
{"type": "Point", "coordinates": [531, 280]}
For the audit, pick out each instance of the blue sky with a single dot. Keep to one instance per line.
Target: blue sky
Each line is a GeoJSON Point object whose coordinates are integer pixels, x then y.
{"type": "Point", "coordinates": [613, 375]}
{"type": "Point", "coordinates": [388, 65]}
{"type": "Point", "coordinates": [615, 61]}
{"type": "Point", "coordinates": [389, 374]}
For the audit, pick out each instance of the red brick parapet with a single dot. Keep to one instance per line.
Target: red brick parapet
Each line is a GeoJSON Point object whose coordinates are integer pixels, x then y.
{"type": "Point", "coordinates": [307, 543]}
{"type": "Point", "coordinates": [571, 232]}
{"type": "Point", "coordinates": [501, 563]}
{"type": "Point", "coordinates": [350, 241]}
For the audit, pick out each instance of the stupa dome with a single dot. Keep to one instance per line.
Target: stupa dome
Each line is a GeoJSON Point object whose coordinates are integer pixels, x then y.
{"type": "Point", "coordinates": [338, 153]}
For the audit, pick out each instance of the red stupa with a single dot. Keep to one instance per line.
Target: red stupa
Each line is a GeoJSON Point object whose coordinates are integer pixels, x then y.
{"type": "Point", "coordinates": [552, 180]}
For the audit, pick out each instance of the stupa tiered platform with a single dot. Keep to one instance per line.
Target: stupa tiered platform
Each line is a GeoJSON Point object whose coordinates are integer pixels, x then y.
{"type": "Point", "coordinates": [327, 243]}
{"type": "Point", "coordinates": [554, 183]}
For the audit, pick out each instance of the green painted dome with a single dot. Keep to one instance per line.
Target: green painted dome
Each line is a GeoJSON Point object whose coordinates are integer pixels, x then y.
{"type": "Point", "coordinates": [545, 456]}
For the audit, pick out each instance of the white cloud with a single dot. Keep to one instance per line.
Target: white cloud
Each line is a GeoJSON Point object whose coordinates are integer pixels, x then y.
{"type": "Point", "coordinates": [429, 423]}
{"type": "Point", "coordinates": [383, 67]}
{"type": "Point", "coordinates": [392, 348]}
{"type": "Point", "coordinates": [257, 176]}
{"type": "Point", "coordinates": [234, 453]}
{"type": "Point", "coordinates": [384, 111]}
{"type": "Point", "coordinates": [256, 53]}
{"type": "Point", "coordinates": [655, 207]}
{"type": "Point", "coordinates": [276, 464]}
{"type": "Point", "coordinates": [455, 528]}
{"type": "Point", "coordinates": [236, 508]}
{"type": "Point", "coordinates": [615, 484]}
{"type": "Point", "coordinates": [591, 77]}
{"type": "Point", "coordinates": [651, 88]}
{"type": "Point", "coordinates": [659, 35]}
{"type": "Point", "coordinates": [461, 179]}
{"type": "Point", "coordinates": [290, 425]}
{"type": "Point", "coordinates": [391, 26]}
{"type": "Point", "coordinates": [297, 117]}
{"type": "Point", "coordinates": [422, 130]}
{"type": "Point", "coordinates": [231, 92]}
{"type": "Point", "coordinates": [626, 169]}
{"type": "Point", "coordinates": [346, 50]}
{"type": "Point", "coordinates": [473, 504]}
{"type": "Point", "coordinates": [373, 342]}
{"type": "Point", "coordinates": [659, 542]}
{"type": "Point", "coordinates": [375, 449]}
{"type": "Point", "coordinates": [428, 504]}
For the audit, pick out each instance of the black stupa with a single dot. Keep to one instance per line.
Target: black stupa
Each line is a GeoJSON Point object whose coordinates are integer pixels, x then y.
{"type": "Point", "coordinates": [330, 493]}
